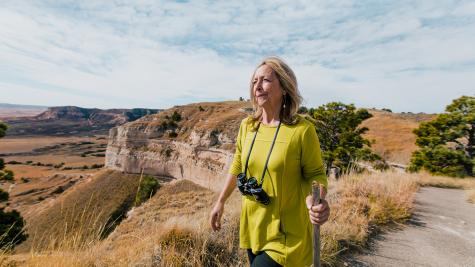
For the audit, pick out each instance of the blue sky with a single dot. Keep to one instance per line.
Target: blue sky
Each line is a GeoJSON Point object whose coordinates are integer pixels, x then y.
{"type": "Point", "coordinates": [404, 55]}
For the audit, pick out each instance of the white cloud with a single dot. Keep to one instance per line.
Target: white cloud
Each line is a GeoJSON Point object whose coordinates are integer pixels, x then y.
{"type": "Point", "coordinates": [157, 54]}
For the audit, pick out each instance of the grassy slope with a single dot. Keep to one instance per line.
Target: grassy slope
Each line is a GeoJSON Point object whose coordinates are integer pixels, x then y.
{"type": "Point", "coordinates": [80, 214]}
{"type": "Point", "coordinates": [172, 228]}
{"type": "Point", "coordinates": [392, 133]}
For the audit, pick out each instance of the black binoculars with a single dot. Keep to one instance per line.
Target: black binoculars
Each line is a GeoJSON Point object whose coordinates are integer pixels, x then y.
{"type": "Point", "coordinates": [250, 187]}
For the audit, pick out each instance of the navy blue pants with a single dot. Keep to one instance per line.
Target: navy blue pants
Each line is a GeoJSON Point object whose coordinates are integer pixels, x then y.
{"type": "Point", "coordinates": [261, 259]}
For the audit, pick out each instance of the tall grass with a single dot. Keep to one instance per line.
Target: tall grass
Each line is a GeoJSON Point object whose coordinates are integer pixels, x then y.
{"type": "Point", "coordinates": [172, 228]}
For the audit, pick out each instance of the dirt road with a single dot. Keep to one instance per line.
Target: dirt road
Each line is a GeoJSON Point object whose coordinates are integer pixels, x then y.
{"type": "Point", "coordinates": [441, 233]}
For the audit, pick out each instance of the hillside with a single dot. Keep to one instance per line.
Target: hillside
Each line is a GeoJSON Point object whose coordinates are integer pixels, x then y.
{"type": "Point", "coordinates": [392, 134]}
{"type": "Point", "coordinates": [81, 213]}
{"type": "Point", "coordinates": [71, 120]}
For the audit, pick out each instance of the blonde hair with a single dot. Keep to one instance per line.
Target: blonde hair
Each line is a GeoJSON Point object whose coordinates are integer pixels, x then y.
{"type": "Point", "coordinates": [291, 98]}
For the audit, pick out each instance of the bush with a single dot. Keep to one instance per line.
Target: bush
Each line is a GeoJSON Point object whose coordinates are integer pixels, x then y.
{"type": "Point", "coordinates": [2, 164]}
{"type": "Point", "coordinates": [147, 188]}
{"type": "Point", "coordinates": [3, 196]}
{"type": "Point", "coordinates": [97, 166]}
{"type": "Point", "coordinates": [176, 116]}
{"type": "Point", "coordinates": [201, 108]}
{"type": "Point", "coordinates": [57, 166]}
{"type": "Point", "coordinates": [12, 162]}
{"type": "Point", "coordinates": [11, 229]}
{"type": "Point", "coordinates": [6, 175]}
{"type": "Point", "coordinates": [172, 134]}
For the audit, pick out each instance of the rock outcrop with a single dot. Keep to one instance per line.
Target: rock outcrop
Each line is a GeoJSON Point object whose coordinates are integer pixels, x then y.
{"type": "Point", "coordinates": [194, 142]}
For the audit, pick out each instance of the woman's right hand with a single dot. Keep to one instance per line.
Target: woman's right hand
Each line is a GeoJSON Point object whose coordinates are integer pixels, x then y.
{"type": "Point", "coordinates": [216, 213]}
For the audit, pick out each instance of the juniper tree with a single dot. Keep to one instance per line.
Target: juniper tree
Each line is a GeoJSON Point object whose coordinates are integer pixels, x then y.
{"type": "Point", "coordinates": [338, 129]}
{"type": "Point", "coordinates": [447, 143]}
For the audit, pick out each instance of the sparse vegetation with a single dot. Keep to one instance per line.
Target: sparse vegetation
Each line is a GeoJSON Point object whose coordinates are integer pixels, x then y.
{"type": "Point", "coordinates": [172, 228]}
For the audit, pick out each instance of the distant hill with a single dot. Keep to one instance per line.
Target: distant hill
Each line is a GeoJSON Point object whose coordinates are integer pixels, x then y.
{"type": "Point", "coordinates": [14, 110]}
{"type": "Point", "coordinates": [72, 120]}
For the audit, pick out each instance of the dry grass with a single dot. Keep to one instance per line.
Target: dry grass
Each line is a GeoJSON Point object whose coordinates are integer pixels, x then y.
{"type": "Point", "coordinates": [171, 229]}
{"type": "Point", "coordinates": [361, 204]}
{"type": "Point", "coordinates": [468, 183]}
{"type": "Point", "coordinates": [393, 135]}
{"type": "Point", "coordinates": [77, 216]}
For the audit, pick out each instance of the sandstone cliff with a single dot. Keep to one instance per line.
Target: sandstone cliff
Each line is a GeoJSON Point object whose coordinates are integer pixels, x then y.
{"type": "Point", "coordinates": [194, 142]}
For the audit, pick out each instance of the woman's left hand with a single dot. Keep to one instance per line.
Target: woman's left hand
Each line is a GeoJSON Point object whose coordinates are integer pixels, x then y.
{"type": "Point", "coordinates": [319, 213]}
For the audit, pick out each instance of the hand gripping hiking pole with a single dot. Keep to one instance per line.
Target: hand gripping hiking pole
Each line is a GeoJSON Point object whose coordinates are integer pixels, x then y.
{"type": "Point", "coordinates": [316, 227]}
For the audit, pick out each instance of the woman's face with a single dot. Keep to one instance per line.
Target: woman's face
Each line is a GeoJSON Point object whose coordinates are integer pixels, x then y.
{"type": "Point", "coordinates": [266, 88]}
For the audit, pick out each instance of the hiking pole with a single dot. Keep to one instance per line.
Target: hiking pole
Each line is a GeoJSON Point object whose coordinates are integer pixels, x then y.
{"type": "Point", "coordinates": [316, 227]}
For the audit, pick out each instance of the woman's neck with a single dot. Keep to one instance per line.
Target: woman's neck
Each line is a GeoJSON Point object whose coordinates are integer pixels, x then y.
{"type": "Point", "coordinates": [270, 116]}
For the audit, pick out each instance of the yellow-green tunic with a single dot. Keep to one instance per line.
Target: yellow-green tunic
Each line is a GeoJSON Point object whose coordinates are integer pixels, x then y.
{"type": "Point", "coordinates": [282, 229]}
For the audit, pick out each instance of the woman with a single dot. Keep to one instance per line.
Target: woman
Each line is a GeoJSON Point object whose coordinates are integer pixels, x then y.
{"type": "Point", "coordinates": [277, 158]}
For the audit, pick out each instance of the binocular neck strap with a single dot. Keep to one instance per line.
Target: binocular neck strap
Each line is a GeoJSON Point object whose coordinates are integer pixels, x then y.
{"type": "Point", "coordinates": [270, 152]}
{"type": "Point", "coordinates": [268, 155]}
{"type": "Point", "coordinates": [250, 149]}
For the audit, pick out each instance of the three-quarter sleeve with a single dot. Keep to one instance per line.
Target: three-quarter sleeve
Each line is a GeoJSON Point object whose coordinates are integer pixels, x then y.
{"type": "Point", "coordinates": [311, 158]}
{"type": "Point", "coordinates": [236, 166]}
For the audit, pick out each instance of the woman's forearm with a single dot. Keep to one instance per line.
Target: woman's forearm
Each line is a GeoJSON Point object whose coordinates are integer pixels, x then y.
{"type": "Point", "coordinates": [228, 188]}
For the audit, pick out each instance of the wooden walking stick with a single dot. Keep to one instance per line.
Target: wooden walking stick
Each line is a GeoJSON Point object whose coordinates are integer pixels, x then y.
{"type": "Point", "coordinates": [316, 227]}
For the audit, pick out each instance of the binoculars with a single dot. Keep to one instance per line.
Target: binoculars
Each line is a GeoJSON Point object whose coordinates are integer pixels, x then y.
{"type": "Point", "coordinates": [250, 187]}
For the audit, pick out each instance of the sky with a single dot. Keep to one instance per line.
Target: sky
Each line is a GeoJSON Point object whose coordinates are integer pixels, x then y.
{"type": "Point", "coordinates": [408, 56]}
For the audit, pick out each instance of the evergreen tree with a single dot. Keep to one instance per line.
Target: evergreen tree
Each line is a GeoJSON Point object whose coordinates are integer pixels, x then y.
{"type": "Point", "coordinates": [447, 143]}
{"type": "Point", "coordinates": [340, 136]}
{"type": "Point", "coordinates": [11, 222]}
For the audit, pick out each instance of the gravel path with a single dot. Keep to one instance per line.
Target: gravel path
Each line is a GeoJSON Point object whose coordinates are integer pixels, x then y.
{"type": "Point", "coordinates": [441, 233]}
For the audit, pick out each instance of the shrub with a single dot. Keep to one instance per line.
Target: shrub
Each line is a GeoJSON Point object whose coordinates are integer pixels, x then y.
{"type": "Point", "coordinates": [6, 175]}
{"type": "Point", "coordinates": [3, 196]}
{"type": "Point", "coordinates": [176, 116]}
{"type": "Point", "coordinates": [147, 188]}
{"type": "Point", "coordinates": [97, 166]}
{"type": "Point", "coordinates": [172, 134]}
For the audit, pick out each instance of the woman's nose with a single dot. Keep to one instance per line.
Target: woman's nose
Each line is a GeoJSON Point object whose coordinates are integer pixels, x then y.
{"type": "Point", "coordinates": [259, 85]}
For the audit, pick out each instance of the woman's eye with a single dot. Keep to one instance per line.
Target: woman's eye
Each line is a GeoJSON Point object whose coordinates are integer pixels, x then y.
{"type": "Point", "coordinates": [267, 80]}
